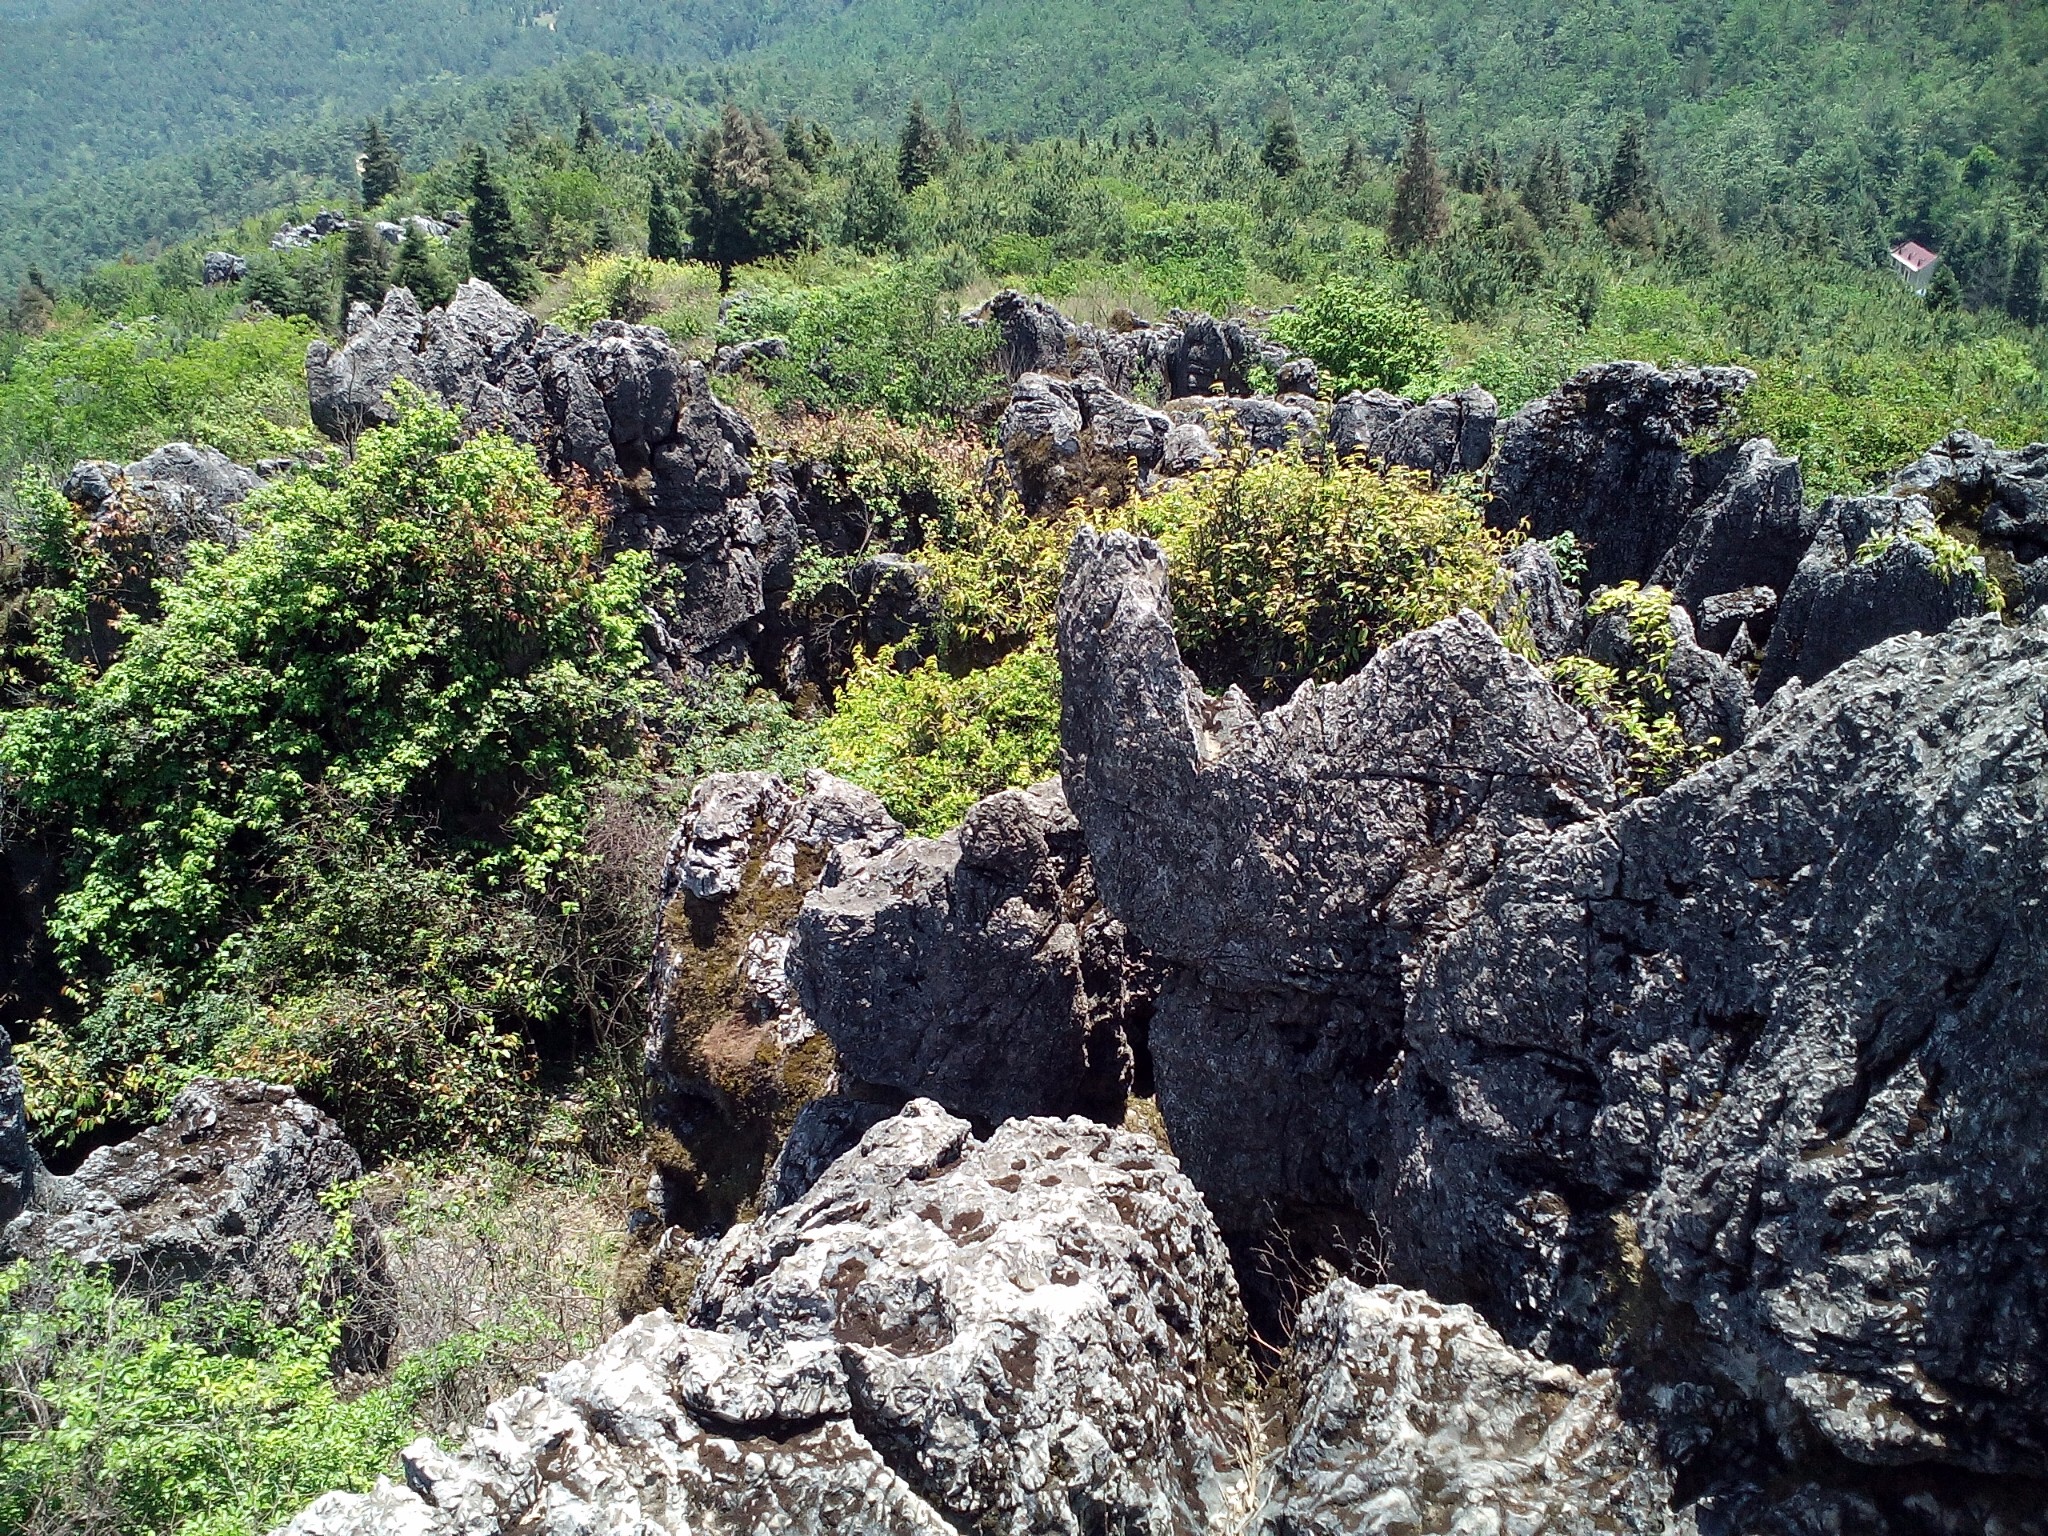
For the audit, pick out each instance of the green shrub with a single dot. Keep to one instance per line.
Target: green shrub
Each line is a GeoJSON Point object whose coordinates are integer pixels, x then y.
{"type": "Point", "coordinates": [1361, 337]}
{"type": "Point", "coordinates": [336, 779]}
{"type": "Point", "coordinates": [1286, 569]}
{"type": "Point", "coordinates": [118, 391]}
{"type": "Point", "coordinates": [881, 342]}
{"type": "Point", "coordinates": [931, 744]}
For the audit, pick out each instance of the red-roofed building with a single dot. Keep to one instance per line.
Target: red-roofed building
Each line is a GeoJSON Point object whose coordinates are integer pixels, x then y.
{"type": "Point", "coordinates": [1917, 263]}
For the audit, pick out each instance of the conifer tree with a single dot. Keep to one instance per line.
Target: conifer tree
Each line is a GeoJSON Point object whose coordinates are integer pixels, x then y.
{"type": "Point", "coordinates": [362, 266]}
{"type": "Point", "coordinates": [588, 140]}
{"type": "Point", "coordinates": [1151, 134]}
{"type": "Point", "coordinates": [1629, 187]}
{"type": "Point", "coordinates": [1547, 189]}
{"type": "Point", "coordinates": [2023, 293]}
{"type": "Point", "coordinates": [420, 270]}
{"type": "Point", "coordinates": [1351, 165]}
{"type": "Point", "coordinates": [956, 125]}
{"type": "Point", "coordinates": [381, 169]}
{"type": "Point", "coordinates": [920, 151]}
{"type": "Point", "coordinates": [1215, 136]}
{"type": "Point", "coordinates": [665, 241]}
{"type": "Point", "coordinates": [747, 199]}
{"type": "Point", "coordinates": [1946, 290]}
{"type": "Point", "coordinates": [873, 220]}
{"type": "Point", "coordinates": [1422, 212]}
{"type": "Point", "coordinates": [1281, 153]}
{"type": "Point", "coordinates": [496, 253]}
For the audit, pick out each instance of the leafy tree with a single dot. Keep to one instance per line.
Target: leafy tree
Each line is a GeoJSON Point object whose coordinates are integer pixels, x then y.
{"type": "Point", "coordinates": [420, 269]}
{"type": "Point", "coordinates": [362, 266]}
{"type": "Point", "coordinates": [1281, 154]}
{"type": "Point", "coordinates": [874, 217]}
{"type": "Point", "coordinates": [2023, 294]}
{"type": "Point", "coordinates": [381, 168]}
{"type": "Point", "coordinates": [665, 239]}
{"type": "Point", "coordinates": [1422, 212]}
{"type": "Point", "coordinates": [747, 199]}
{"type": "Point", "coordinates": [496, 253]}
{"type": "Point", "coordinates": [1626, 201]}
{"type": "Point", "coordinates": [919, 150]}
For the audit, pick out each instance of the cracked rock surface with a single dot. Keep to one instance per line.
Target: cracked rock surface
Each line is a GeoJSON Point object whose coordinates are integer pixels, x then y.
{"type": "Point", "coordinates": [1034, 1332]}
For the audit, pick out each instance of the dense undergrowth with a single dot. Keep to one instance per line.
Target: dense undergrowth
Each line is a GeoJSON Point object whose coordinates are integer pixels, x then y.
{"type": "Point", "coordinates": [375, 802]}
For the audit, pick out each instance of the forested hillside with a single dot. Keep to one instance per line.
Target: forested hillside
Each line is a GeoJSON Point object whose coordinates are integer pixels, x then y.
{"type": "Point", "coordinates": [1867, 122]}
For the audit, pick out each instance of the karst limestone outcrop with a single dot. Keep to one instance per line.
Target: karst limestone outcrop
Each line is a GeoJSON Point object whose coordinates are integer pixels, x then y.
{"type": "Point", "coordinates": [1036, 1331]}
{"type": "Point", "coordinates": [226, 1191]}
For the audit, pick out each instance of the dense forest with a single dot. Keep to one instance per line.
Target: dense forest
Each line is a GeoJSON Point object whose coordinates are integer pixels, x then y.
{"type": "Point", "coordinates": [1857, 123]}
{"type": "Point", "coordinates": [373, 800]}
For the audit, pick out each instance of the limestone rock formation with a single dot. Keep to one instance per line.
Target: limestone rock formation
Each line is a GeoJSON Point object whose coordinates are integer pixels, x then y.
{"type": "Point", "coordinates": [1750, 533]}
{"type": "Point", "coordinates": [618, 406]}
{"type": "Point", "coordinates": [1185, 355]}
{"type": "Point", "coordinates": [1288, 866]}
{"type": "Point", "coordinates": [1874, 570]}
{"type": "Point", "coordinates": [1537, 601]}
{"type": "Point", "coordinates": [147, 514]}
{"type": "Point", "coordinates": [224, 1191]}
{"type": "Point", "coordinates": [1967, 478]}
{"type": "Point", "coordinates": [731, 1054]}
{"type": "Point", "coordinates": [1709, 697]}
{"type": "Point", "coordinates": [1415, 1416]}
{"type": "Point", "coordinates": [1059, 439]}
{"type": "Point", "coordinates": [977, 969]}
{"type": "Point", "coordinates": [1785, 1021]}
{"type": "Point", "coordinates": [19, 1165]}
{"type": "Point", "coordinates": [219, 268]}
{"type": "Point", "coordinates": [1036, 1332]}
{"type": "Point", "coordinates": [1605, 458]}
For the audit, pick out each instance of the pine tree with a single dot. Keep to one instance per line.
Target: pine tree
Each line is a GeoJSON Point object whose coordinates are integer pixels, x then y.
{"type": "Point", "coordinates": [2023, 293]}
{"type": "Point", "coordinates": [1351, 165]}
{"type": "Point", "coordinates": [421, 270]}
{"type": "Point", "coordinates": [1946, 290]}
{"type": "Point", "coordinates": [381, 169]}
{"type": "Point", "coordinates": [1151, 135]}
{"type": "Point", "coordinates": [496, 253]}
{"type": "Point", "coordinates": [362, 266]}
{"type": "Point", "coordinates": [1547, 189]}
{"type": "Point", "coordinates": [747, 199]}
{"type": "Point", "coordinates": [920, 151]}
{"type": "Point", "coordinates": [588, 140]}
{"type": "Point", "coordinates": [956, 126]}
{"type": "Point", "coordinates": [664, 225]}
{"type": "Point", "coordinates": [874, 219]}
{"type": "Point", "coordinates": [1422, 211]}
{"type": "Point", "coordinates": [1629, 187]}
{"type": "Point", "coordinates": [1281, 153]}
{"type": "Point", "coordinates": [1215, 136]}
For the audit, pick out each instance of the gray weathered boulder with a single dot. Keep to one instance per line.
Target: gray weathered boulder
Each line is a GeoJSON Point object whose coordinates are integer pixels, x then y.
{"type": "Point", "coordinates": [739, 356]}
{"type": "Point", "coordinates": [2004, 495]}
{"type": "Point", "coordinates": [1266, 425]}
{"type": "Point", "coordinates": [1298, 376]}
{"type": "Point", "coordinates": [1738, 621]}
{"type": "Point", "coordinates": [824, 1131]}
{"type": "Point", "coordinates": [1537, 600]}
{"type": "Point", "coordinates": [1874, 570]}
{"type": "Point", "coordinates": [1749, 533]}
{"type": "Point", "coordinates": [19, 1165]}
{"type": "Point", "coordinates": [227, 1191]}
{"type": "Point", "coordinates": [1362, 421]}
{"type": "Point", "coordinates": [219, 268]}
{"type": "Point", "coordinates": [1709, 697]}
{"type": "Point", "coordinates": [1446, 435]}
{"type": "Point", "coordinates": [177, 496]}
{"type": "Point", "coordinates": [1060, 439]}
{"type": "Point", "coordinates": [731, 1055]}
{"type": "Point", "coordinates": [1039, 1331]}
{"type": "Point", "coordinates": [977, 969]}
{"type": "Point", "coordinates": [1415, 1416]}
{"type": "Point", "coordinates": [1605, 458]}
{"type": "Point", "coordinates": [1188, 448]}
{"type": "Point", "coordinates": [1036, 1332]}
{"type": "Point", "coordinates": [1746, 1074]}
